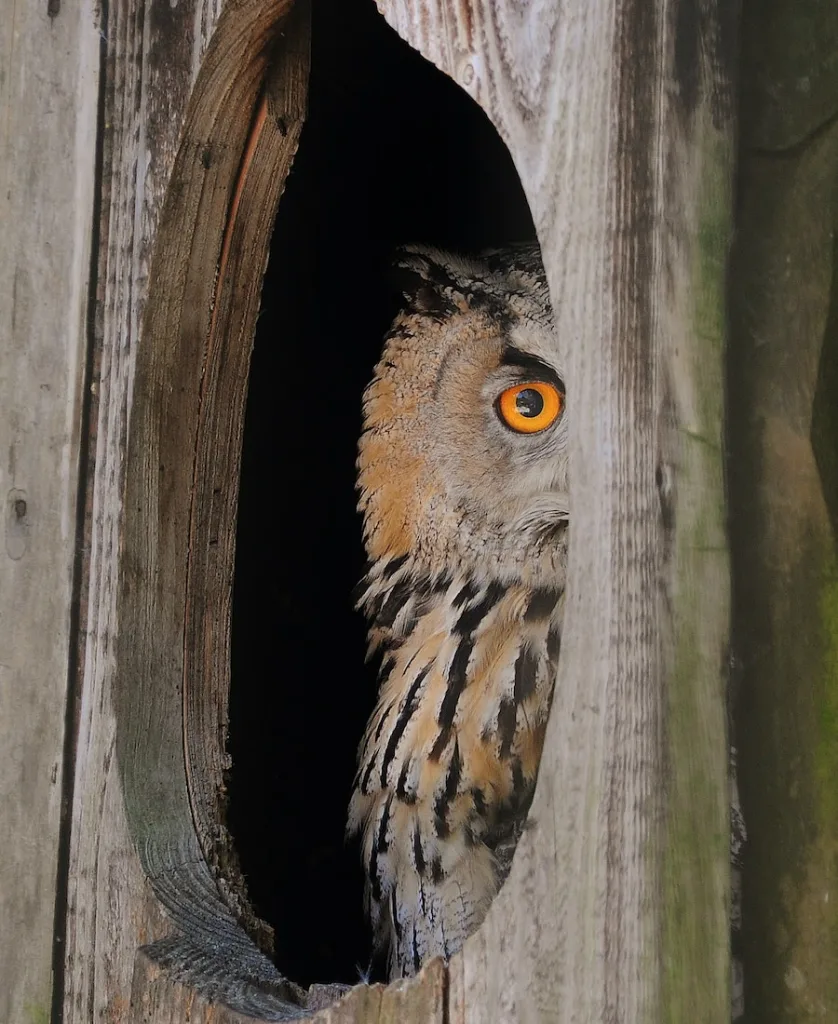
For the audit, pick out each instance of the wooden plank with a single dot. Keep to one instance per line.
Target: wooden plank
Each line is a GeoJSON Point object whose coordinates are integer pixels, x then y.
{"type": "Point", "coordinates": [134, 815]}
{"type": "Point", "coordinates": [48, 112]}
{"type": "Point", "coordinates": [181, 494]}
{"type": "Point", "coordinates": [153, 54]}
{"type": "Point", "coordinates": [618, 118]}
{"type": "Point", "coordinates": [216, 470]}
{"type": "Point", "coordinates": [176, 568]}
{"type": "Point", "coordinates": [784, 516]}
{"type": "Point", "coordinates": [158, 999]}
{"type": "Point", "coordinates": [423, 1000]}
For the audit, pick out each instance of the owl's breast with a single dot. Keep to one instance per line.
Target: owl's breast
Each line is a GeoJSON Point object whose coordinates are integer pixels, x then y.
{"type": "Point", "coordinates": [448, 763]}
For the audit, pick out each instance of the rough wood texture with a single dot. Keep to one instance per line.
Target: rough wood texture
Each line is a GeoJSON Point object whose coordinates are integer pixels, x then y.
{"type": "Point", "coordinates": [154, 55]}
{"type": "Point", "coordinates": [213, 496]}
{"type": "Point", "coordinates": [784, 507]}
{"type": "Point", "coordinates": [423, 1000]}
{"type": "Point", "coordinates": [183, 449]}
{"type": "Point", "coordinates": [48, 98]}
{"type": "Point", "coordinates": [618, 117]}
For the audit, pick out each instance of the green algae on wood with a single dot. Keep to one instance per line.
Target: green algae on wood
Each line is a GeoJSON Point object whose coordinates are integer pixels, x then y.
{"type": "Point", "coordinates": [696, 875]}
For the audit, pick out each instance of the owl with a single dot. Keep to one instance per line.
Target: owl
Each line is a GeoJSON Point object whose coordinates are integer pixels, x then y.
{"type": "Point", "coordinates": [463, 484]}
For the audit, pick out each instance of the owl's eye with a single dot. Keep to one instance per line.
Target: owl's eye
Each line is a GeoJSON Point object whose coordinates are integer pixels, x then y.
{"type": "Point", "coordinates": [528, 408]}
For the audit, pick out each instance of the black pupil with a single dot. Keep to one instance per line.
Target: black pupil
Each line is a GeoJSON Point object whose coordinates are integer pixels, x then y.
{"type": "Point", "coordinates": [529, 403]}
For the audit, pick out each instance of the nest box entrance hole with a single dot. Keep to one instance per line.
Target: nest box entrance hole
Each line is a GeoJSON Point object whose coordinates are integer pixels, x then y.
{"type": "Point", "coordinates": [392, 152]}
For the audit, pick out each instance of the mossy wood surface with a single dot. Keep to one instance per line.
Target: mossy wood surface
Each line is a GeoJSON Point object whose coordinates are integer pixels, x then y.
{"type": "Point", "coordinates": [784, 507]}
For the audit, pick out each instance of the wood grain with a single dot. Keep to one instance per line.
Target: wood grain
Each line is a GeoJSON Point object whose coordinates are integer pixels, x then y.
{"type": "Point", "coordinates": [154, 56]}
{"type": "Point", "coordinates": [157, 998]}
{"type": "Point", "coordinates": [183, 449]}
{"type": "Point", "coordinates": [618, 119]}
{"type": "Point", "coordinates": [214, 488]}
{"type": "Point", "coordinates": [423, 1000]}
{"type": "Point", "coordinates": [48, 100]}
{"type": "Point", "coordinates": [151, 59]}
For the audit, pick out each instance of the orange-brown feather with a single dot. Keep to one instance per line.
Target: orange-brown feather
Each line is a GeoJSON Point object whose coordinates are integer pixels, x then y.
{"type": "Point", "coordinates": [456, 829]}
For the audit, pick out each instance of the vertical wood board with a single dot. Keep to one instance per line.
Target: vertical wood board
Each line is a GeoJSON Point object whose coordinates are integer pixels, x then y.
{"type": "Point", "coordinates": [49, 73]}
{"type": "Point", "coordinates": [784, 514]}
{"type": "Point", "coordinates": [618, 117]}
{"type": "Point", "coordinates": [239, 138]}
{"type": "Point", "coordinates": [153, 52]}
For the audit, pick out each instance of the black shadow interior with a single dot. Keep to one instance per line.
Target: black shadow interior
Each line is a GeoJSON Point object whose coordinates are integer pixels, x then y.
{"type": "Point", "coordinates": [392, 152]}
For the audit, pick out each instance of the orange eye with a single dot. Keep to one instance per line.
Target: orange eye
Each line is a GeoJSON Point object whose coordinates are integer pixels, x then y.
{"type": "Point", "coordinates": [528, 408]}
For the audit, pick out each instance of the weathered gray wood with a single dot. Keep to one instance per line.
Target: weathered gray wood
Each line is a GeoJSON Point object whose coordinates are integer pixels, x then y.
{"type": "Point", "coordinates": [784, 507]}
{"type": "Point", "coordinates": [183, 448]}
{"type": "Point", "coordinates": [423, 1000]}
{"type": "Point", "coordinates": [160, 996]}
{"type": "Point", "coordinates": [154, 54]}
{"type": "Point", "coordinates": [618, 118]}
{"type": "Point", "coordinates": [616, 906]}
{"type": "Point", "coordinates": [49, 68]}
{"type": "Point", "coordinates": [213, 495]}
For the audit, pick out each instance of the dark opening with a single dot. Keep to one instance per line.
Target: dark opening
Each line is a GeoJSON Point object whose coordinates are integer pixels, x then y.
{"type": "Point", "coordinates": [392, 152]}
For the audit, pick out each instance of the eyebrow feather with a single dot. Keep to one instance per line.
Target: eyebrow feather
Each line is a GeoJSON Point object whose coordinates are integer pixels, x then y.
{"type": "Point", "coordinates": [538, 368]}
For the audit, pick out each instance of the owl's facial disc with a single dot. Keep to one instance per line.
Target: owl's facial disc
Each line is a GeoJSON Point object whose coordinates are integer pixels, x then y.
{"type": "Point", "coordinates": [502, 459]}
{"type": "Point", "coordinates": [463, 458]}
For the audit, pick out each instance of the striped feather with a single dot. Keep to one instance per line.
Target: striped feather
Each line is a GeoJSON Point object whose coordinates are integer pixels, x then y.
{"type": "Point", "coordinates": [449, 759]}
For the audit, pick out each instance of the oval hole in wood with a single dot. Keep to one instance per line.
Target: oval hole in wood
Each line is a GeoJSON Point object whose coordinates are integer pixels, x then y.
{"type": "Point", "coordinates": [392, 152]}
{"type": "Point", "coordinates": [239, 138]}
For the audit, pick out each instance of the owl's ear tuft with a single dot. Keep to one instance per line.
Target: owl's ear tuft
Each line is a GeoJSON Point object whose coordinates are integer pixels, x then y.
{"type": "Point", "coordinates": [425, 285]}
{"type": "Point", "coordinates": [423, 295]}
{"type": "Point", "coordinates": [428, 299]}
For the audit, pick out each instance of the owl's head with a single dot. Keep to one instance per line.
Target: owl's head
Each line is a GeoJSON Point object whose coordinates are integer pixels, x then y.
{"type": "Point", "coordinates": [462, 460]}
